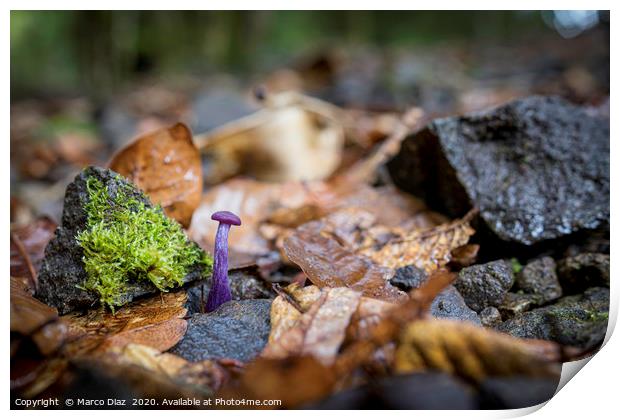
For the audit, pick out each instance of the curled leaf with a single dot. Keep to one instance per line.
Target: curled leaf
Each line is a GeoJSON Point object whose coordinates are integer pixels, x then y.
{"type": "Point", "coordinates": [472, 352]}
{"type": "Point", "coordinates": [166, 165]}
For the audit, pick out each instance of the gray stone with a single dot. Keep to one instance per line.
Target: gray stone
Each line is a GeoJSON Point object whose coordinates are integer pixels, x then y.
{"type": "Point", "coordinates": [485, 285]}
{"type": "Point", "coordinates": [537, 168]}
{"type": "Point", "coordinates": [450, 304]}
{"type": "Point", "coordinates": [584, 270]}
{"type": "Point", "coordinates": [579, 320]}
{"type": "Point", "coordinates": [408, 277]}
{"type": "Point", "coordinates": [539, 277]}
{"type": "Point", "coordinates": [244, 284]}
{"type": "Point", "coordinates": [490, 316]}
{"type": "Point", "coordinates": [236, 330]}
{"type": "Point", "coordinates": [62, 270]}
{"type": "Point", "coordinates": [517, 303]}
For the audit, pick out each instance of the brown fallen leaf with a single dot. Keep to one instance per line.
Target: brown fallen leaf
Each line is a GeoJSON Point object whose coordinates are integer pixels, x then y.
{"type": "Point", "coordinates": [294, 381]}
{"type": "Point", "coordinates": [322, 249]}
{"type": "Point", "coordinates": [380, 333]}
{"type": "Point", "coordinates": [319, 331]}
{"type": "Point", "coordinates": [155, 322]}
{"type": "Point", "coordinates": [28, 244]}
{"type": "Point", "coordinates": [207, 373]}
{"type": "Point", "coordinates": [166, 165]}
{"type": "Point", "coordinates": [33, 319]}
{"type": "Point", "coordinates": [428, 249]}
{"type": "Point", "coordinates": [37, 335]}
{"type": "Point", "coordinates": [473, 352]}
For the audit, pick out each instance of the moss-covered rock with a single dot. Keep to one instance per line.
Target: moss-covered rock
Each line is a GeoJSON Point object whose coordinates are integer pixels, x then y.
{"type": "Point", "coordinates": [113, 245]}
{"type": "Point", "coordinates": [579, 320]}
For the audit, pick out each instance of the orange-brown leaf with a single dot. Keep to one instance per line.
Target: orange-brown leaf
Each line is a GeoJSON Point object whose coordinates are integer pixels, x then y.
{"type": "Point", "coordinates": [322, 249]}
{"type": "Point", "coordinates": [155, 322]}
{"type": "Point", "coordinates": [166, 165]}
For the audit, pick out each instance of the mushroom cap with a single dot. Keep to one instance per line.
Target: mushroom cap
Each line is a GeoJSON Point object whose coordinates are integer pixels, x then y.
{"type": "Point", "coordinates": [226, 217]}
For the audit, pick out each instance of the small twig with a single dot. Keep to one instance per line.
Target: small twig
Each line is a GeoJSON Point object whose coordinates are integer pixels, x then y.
{"type": "Point", "coordinates": [286, 296]}
{"type": "Point", "coordinates": [22, 251]}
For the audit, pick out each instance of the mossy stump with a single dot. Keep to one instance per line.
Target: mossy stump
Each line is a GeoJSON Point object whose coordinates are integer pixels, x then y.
{"type": "Point", "coordinates": [113, 246]}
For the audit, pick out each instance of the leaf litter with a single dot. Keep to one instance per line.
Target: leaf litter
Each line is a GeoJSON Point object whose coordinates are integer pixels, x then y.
{"type": "Point", "coordinates": [347, 234]}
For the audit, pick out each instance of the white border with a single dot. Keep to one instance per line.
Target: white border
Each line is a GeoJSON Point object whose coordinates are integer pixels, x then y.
{"type": "Point", "coordinates": [591, 395]}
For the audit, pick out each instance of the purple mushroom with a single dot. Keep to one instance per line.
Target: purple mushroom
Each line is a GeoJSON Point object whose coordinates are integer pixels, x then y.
{"type": "Point", "coordinates": [220, 289]}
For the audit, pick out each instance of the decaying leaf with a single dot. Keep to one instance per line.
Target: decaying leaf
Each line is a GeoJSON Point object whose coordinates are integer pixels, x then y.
{"type": "Point", "coordinates": [166, 165]}
{"type": "Point", "coordinates": [155, 322]}
{"type": "Point", "coordinates": [209, 374]}
{"type": "Point", "coordinates": [28, 244]}
{"type": "Point", "coordinates": [321, 248]}
{"type": "Point", "coordinates": [318, 332]}
{"type": "Point", "coordinates": [267, 145]}
{"type": "Point", "coordinates": [428, 249]}
{"type": "Point", "coordinates": [380, 332]}
{"type": "Point", "coordinates": [33, 319]}
{"type": "Point", "coordinates": [294, 381]}
{"type": "Point", "coordinates": [37, 335]}
{"type": "Point", "coordinates": [470, 351]}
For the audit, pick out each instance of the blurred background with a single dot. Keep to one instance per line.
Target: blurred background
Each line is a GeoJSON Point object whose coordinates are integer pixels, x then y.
{"type": "Point", "coordinates": [83, 83]}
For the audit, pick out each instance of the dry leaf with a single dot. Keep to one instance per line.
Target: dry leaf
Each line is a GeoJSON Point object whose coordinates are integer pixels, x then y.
{"type": "Point", "coordinates": [322, 249]}
{"type": "Point", "coordinates": [28, 248]}
{"type": "Point", "coordinates": [294, 381]}
{"type": "Point", "coordinates": [379, 334]}
{"type": "Point", "coordinates": [267, 144]}
{"type": "Point", "coordinates": [166, 165]}
{"type": "Point", "coordinates": [34, 319]}
{"type": "Point", "coordinates": [470, 351]}
{"type": "Point", "coordinates": [428, 249]}
{"type": "Point", "coordinates": [318, 332]}
{"type": "Point", "coordinates": [155, 322]}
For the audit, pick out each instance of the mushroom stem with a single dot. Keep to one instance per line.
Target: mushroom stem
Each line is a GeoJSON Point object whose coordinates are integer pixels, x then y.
{"type": "Point", "coordinates": [220, 289]}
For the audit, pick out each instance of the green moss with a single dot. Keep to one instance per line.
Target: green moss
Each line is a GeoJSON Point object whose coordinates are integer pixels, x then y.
{"type": "Point", "coordinates": [125, 240]}
{"type": "Point", "coordinates": [516, 266]}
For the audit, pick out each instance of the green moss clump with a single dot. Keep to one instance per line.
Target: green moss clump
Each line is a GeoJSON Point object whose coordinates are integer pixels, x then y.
{"type": "Point", "coordinates": [125, 240]}
{"type": "Point", "coordinates": [516, 266]}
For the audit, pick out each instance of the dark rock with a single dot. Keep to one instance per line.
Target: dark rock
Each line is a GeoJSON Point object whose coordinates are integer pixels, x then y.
{"type": "Point", "coordinates": [421, 391]}
{"type": "Point", "coordinates": [450, 304]}
{"type": "Point", "coordinates": [539, 277]}
{"type": "Point", "coordinates": [244, 284]}
{"type": "Point", "coordinates": [408, 277]}
{"type": "Point", "coordinates": [517, 303]}
{"type": "Point", "coordinates": [502, 161]}
{"type": "Point", "coordinates": [584, 270]}
{"type": "Point", "coordinates": [236, 330]}
{"type": "Point", "coordinates": [579, 320]}
{"type": "Point", "coordinates": [63, 270]}
{"type": "Point", "coordinates": [485, 285]}
{"type": "Point", "coordinates": [490, 316]}
{"type": "Point", "coordinates": [426, 391]}
{"type": "Point", "coordinates": [516, 392]}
